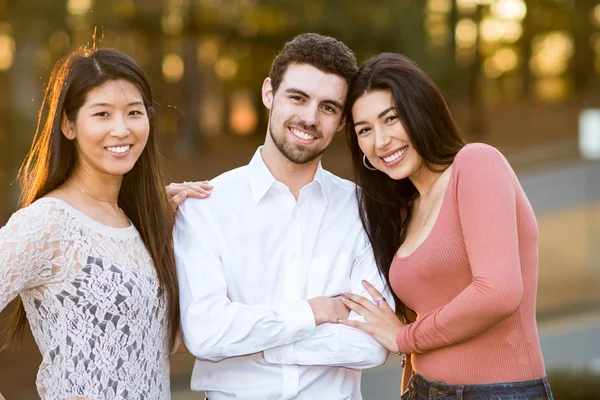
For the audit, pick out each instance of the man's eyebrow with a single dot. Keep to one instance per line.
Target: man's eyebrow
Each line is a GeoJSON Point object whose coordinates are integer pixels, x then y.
{"type": "Point", "coordinates": [297, 91]}
{"type": "Point", "coordinates": [381, 114]}
{"type": "Point", "coordinates": [335, 103]}
{"type": "Point", "coordinates": [300, 92]}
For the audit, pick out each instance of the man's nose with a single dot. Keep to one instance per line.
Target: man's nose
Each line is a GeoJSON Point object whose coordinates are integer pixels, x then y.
{"type": "Point", "coordinates": [310, 116]}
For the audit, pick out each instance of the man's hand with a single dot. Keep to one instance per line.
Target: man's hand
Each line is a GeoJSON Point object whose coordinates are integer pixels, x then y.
{"type": "Point", "coordinates": [328, 309]}
{"type": "Point", "coordinates": [180, 191]}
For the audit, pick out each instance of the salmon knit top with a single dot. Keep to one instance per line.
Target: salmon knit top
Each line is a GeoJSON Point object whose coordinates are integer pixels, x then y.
{"type": "Point", "coordinates": [473, 281]}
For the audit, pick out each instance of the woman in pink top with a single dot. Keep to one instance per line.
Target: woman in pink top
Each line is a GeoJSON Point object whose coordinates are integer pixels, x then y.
{"type": "Point", "coordinates": [455, 237]}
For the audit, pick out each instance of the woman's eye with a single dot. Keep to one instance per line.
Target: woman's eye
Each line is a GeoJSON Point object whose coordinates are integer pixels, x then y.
{"type": "Point", "coordinates": [363, 130]}
{"type": "Point", "coordinates": [391, 118]}
{"type": "Point", "coordinates": [136, 112]}
{"type": "Point", "coordinates": [101, 114]}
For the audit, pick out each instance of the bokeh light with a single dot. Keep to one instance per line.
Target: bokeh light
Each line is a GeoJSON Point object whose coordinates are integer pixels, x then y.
{"type": "Point", "coordinates": [509, 9]}
{"type": "Point", "coordinates": [243, 118]}
{"type": "Point", "coordinates": [466, 33]}
{"type": "Point", "coordinates": [172, 68]}
{"type": "Point", "coordinates": [466, 6]}
{"type": "Point", "coordinates": [79, 7]}
{"type": "Point", "coordinates": [226, 68]}
{"type": "Point", "coordinates": [551, 53]}
{"type": "Point", "coordinates": [7, 51]}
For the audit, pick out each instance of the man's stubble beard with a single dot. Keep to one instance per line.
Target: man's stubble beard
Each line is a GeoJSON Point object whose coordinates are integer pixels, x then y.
{"type": "Point", "coordinates": [291, 151]}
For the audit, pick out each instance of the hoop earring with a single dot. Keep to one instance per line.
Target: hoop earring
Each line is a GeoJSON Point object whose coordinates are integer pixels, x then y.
{"type": "Point", "coordinates": [367, 165]}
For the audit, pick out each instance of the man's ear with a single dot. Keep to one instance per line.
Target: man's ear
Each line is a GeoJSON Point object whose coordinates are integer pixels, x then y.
{"type": "Point", "coordinates": [267, 93]}
{"type": "Point", "coordinates": [66, 126]}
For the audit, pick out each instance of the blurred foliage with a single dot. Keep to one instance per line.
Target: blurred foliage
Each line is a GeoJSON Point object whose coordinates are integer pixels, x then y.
{"type": "Point", "coordinates": [219, 47]}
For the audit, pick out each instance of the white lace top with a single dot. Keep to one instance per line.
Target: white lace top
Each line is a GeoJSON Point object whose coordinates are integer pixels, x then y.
{"type": "Point", "coordinates": [91, 296]}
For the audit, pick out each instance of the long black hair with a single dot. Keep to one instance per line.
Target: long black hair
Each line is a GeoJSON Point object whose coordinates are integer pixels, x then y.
{"type": "Point", "coordinates": [53, 157]}
{"type": "Point", "coordinates": [385, 203]}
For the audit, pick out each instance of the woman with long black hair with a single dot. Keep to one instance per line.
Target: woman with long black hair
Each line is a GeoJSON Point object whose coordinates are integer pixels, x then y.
{"type": "Point", "coordinates": [91, 251]}
{"type": "Point", "coordinates": [455, 237]}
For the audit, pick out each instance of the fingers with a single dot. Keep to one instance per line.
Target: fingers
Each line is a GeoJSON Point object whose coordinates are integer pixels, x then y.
{"type": "Point", "coordinates": [371, 289]}
{"type": "Point", "coordinates": [359, 301]}
{"type": "Point", "coordinates": [354, 324]}
{"type": "Point", "coordinates": [205, 185]}
{"type": "Point", "coordinates": [178, 199]}
{"type": "Point", "coordinates": [375, 294]}
{"type": "Point", "coordinates": [342, 311]}
{"type": "Point", "coordinates": [196, 190]}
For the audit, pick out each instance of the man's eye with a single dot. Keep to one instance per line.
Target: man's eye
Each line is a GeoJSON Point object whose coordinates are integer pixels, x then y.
{"type": "Point", "coordinates": [330, 109]}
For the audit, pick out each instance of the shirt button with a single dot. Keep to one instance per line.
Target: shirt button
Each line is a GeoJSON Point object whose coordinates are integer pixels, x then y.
{"type": "Point", "coordinates": [301, 334]}
{"type": "Point", "coordinates": [433, 392]}
{"type": "Point", "coordinates": [278, 358]}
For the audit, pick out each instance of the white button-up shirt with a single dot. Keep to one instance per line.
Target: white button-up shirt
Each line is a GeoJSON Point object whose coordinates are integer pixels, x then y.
{"type": "Point", "coordinates": [248, 259]}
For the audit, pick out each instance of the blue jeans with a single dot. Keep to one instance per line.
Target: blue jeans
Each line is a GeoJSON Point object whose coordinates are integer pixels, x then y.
{"type": "Point", "coordinates": [420, 388]}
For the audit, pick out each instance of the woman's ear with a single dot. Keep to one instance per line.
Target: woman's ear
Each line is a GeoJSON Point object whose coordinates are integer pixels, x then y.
{"type": "Point", "coordinates": [66, 126]}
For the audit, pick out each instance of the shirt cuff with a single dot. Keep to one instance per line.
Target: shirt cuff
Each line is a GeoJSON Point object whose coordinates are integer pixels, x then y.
{"type": "Point", "coordinates": [299, 320]}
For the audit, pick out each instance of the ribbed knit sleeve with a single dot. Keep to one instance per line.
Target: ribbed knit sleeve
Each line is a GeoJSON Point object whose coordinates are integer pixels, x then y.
{"type": "Point", "coordinates": [485, 195]}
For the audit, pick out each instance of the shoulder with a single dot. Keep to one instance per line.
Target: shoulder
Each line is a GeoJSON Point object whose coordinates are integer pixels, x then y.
{"type": "Point", "coordinates": [480, 167]}
{"type": "Point", "coordinates": [231, 177]}
{"type": "Point", "coordinates": [42, 211]}
{"type": "Point", "coordinates": [479, 155]}
{"type": "Point", "coordinates": [227, 188]}
{"type": "Point", "coordinates": [43, 220]}
{"type": "Point", "coordinates": [339, 186]}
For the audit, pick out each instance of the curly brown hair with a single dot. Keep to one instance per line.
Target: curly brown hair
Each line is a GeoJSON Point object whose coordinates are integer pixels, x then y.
{"type": "Point", "coordinates": [322, 52]}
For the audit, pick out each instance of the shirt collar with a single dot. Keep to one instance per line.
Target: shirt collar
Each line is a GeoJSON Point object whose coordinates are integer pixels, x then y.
{"type": "Point", "coordinates": [261, 178]}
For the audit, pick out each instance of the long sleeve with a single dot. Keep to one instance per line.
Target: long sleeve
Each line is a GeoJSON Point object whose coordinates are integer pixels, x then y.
{"type": "Point", "coordinates": [486, 199]}
{"type": "Point", "coordinates": [340, 345]}
{"type": "Point", "coordinates": [213, 326]}
{"type": "Point", "coordinates": [31, 250]}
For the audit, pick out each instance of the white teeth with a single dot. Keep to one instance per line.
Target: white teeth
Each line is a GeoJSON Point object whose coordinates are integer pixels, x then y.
{"type": "Point", "coordinates": [301, 135]}
{"type": "Point", "coordinates": [396, 155]}
{"type": "Point", "coordinates": [118, 149]}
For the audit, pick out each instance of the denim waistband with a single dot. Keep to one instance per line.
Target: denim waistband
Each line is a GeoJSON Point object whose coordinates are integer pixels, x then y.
{"type": "Point", "coordinates": [520, 390]}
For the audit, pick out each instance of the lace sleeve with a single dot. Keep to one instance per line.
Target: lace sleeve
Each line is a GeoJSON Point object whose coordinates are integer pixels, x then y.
{"type": "Point", "coordinates": [31, 250]}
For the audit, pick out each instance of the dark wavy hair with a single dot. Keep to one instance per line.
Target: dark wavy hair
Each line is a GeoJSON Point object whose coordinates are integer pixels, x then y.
{"type": "Point", "coordinates": [52, 159]}
{"type": "Point", "coordinates": [322, 52]}
{"type": "Point", "coordinates": [385, 203]}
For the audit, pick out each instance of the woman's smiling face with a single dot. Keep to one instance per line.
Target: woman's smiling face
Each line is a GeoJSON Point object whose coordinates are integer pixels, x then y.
{"type": "Point", "coordinates": [110, 130]}
{"type": "Point", "coordinates": [382, 136]}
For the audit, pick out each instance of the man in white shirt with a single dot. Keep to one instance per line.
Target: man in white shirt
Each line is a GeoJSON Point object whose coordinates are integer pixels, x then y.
{"type": "Point", "coordinates": [261, 261]}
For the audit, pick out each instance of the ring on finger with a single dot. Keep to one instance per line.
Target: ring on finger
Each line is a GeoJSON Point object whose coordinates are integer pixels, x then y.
{"type": "Point", "coordinates": [380, 300]}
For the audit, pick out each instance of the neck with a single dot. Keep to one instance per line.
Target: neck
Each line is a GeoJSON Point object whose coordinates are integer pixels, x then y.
{"type": "Point", "coordinates": [424, 179]}
{"type": "Point", "coordinates": [294, 176]}
{"type": "Point", "coordinates": [103, 188]}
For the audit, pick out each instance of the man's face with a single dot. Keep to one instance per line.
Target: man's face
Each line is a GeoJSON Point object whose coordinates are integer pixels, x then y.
{"type": "Point", "coordinates": [305, 111]}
